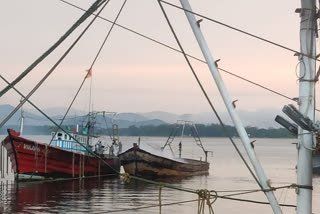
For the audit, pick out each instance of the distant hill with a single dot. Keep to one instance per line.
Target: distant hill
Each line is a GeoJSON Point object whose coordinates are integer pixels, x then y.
{"type": "Point", "coordinates": [261, 119]}
{"type": "Point", "coordinates": [124, 120]}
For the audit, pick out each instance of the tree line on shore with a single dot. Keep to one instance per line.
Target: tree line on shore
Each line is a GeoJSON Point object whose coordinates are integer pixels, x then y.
{"type": "Point", "coordinates": [210, 130]}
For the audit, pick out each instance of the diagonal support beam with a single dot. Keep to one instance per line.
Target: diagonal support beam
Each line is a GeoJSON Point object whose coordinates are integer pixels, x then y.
{"type": "Point", "coordinates": [231, 109]}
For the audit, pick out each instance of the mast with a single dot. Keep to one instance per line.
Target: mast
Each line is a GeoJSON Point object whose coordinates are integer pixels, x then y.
{"type": "Point", "coordinates": [306, 103]}
{"type": "Point", "coordinates": [21, 122]}
{"type": "Point", "coordinates": [21, 118]}
{"type": "Point", "coordinates": [231, 109]}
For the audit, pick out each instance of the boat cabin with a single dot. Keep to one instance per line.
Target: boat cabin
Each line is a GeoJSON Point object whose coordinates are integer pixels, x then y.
{"type": "Point", "coordinates": [64, 141]}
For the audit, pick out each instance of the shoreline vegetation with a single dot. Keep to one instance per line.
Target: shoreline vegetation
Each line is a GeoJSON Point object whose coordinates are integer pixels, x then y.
{"type": "Point", "coordinates": [164, 130]}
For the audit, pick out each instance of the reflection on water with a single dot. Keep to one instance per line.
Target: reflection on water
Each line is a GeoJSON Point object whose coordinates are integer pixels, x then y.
{"type": "Point", "coordinates": [103, 195]}
{"type": "Point", "coordinates": [92, 195]}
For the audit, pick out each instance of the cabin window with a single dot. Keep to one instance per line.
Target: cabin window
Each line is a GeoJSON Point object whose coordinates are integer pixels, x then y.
{"type": "Point", "coordinates": [66, 136]}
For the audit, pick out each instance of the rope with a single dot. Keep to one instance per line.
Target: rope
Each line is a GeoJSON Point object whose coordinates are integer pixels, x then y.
{"type": "Point", "coordinates": [50, 71]}
{"type": "Point", "coordinates": [146, 207]}
{"type": "Point", "coordinates": [51, 120]}
{"type": "Point", "coordinates": [90, 69]}
{"type": "Point", "coordinates": [207, 97]}
{"type": "Point", "coordinates": [241, 31]}
{"type": "Point", "coordinates": [253, 201]}
{"type": "Point", "coordinates": [204, 197]}
{"type": "Point", "coordinates": [107, 36]}
{"type": "Point", "coordinates": [88, 12]}
{"type": "Point", "coordinates": [160, 188]}
{"type": "Point", "coordinates": [70, 105]}
{"type": "Point", "coordinates": [125, 177]}
{"type": "Point", "coordinates": [193, 57]}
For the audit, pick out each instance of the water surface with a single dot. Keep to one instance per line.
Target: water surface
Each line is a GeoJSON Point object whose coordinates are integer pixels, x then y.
{"type": "Point", "coordinates": [227, 172]}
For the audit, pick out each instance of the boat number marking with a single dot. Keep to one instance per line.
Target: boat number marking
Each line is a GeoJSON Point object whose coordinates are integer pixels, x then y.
{"type": "Point", "coordinates": [32, 148]}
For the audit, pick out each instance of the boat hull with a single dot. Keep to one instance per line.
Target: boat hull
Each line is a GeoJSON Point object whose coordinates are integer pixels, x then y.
{"type": "Point", "coordinates": [141, 163]}
{"type": "Point", "coordinates": [36, 161]}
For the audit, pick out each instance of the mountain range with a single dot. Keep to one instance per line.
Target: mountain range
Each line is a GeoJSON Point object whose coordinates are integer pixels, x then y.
{"type": "Point", "coordinates": [261, 118]}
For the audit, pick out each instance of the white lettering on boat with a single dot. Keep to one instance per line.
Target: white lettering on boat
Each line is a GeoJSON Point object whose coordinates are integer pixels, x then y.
{"type": "Point", "coordinates": [32, 148]}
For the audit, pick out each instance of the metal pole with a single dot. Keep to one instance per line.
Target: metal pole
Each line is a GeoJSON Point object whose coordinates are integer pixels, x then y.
{"type": "Point", "coordinates": [45, 159]}
{"type": "Point", "coordinates": [7, 162]}
{"type": "Point", "coordinates": [21, 122]}
{"type": "Point", "coordinates": [73, 164]}
{"type": "Point", "coordinates": [1, 158]}
{"type": "Point", "coordinates": [79, 165]}
{"type": "Point", "coordinates": [231, 109]}
{"type": "Point", "coordinates": [83, 158]}
{"type": "Point", "coordinates": [306, 104]}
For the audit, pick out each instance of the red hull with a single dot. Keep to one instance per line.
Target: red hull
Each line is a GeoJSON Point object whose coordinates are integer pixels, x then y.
{"type": "Point", "coordinates": [30, 158]}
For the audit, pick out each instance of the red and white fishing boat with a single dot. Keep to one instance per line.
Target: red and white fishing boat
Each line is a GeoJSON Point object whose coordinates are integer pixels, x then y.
{"type": "Point", "coordinates": [64, 158]}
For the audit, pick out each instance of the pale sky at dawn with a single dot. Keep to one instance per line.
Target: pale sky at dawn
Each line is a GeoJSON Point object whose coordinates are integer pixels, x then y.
{"type": "Point", "coordinates": [133, 74]}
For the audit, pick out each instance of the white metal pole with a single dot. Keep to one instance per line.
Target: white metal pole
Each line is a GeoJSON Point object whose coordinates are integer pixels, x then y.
{"type": "Point", "coordinates": [21, 122]}
{"type": "Point", "coordinates": [228, 102]}
{"type": "Point", "coordinates": [306, 104]}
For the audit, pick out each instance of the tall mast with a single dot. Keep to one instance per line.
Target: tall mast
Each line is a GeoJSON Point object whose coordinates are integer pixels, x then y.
{"type": "Point", "coordinates": [21, 119]}
{"type": "Point", "coordinates": [21, 122]}
{"type": "Point", "coordinates": [306, 103]}
{"type": "Point", "coordinates": [231, 109]}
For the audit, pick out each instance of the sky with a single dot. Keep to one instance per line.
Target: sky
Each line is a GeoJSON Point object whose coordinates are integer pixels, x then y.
{"type": "Point", "coordinates": [133, 74]}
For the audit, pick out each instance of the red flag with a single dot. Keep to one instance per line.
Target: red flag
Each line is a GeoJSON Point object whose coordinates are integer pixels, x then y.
{"type": "Point", "coordinates": [89, 73]}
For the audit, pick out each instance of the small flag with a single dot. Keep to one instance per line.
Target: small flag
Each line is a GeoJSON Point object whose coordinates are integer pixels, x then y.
{"type": "Point", "coordinates": [89, 73]}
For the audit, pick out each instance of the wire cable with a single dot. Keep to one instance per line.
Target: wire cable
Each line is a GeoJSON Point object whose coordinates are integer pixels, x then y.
{"type": "Point", "coordinates": [50, 71]}
{"type": "Point", "coordinates": [50, 119]}
{"type": "Point", "coordinates": [87, 13]}
{"type": "Point", "coordinates": [206, 95]}
{"type": "Point", "coordinates": [91, 67]}
{"type": "Point", "coordinates": [241, 31]}
{"type": "Point", "coordinates": [193, 57]}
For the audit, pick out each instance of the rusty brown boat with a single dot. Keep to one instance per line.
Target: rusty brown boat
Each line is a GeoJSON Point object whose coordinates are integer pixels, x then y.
{"type": "Point", "coordinates": [140, 162]}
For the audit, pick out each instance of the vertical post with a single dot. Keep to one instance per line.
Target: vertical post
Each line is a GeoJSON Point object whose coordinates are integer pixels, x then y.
{"type": "Point", "coordinates": [7, 162]}
{"type": "Point", "coordinates": [83, 158]}
{"type": "Point", "coordinates": [73, 164]}
{"type": "Point", "coordinates": [22, 120]}
{"type": "Point", "coordinates": [1, 160]}
{"type": "Point", "coordinates": [306, 104]}
{"type": "Point", "coordinates": [36, 156]}
{"type": "Point", "coordinates": [79, 165]}
{"type": "Point", "coordinates": [99, 168]}
{"type": "Point", "coordinates": [231, 109]}
{"type": "Point", "coordinates": [45, 159]}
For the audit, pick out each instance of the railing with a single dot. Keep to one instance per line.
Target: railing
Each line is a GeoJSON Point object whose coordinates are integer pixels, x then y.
{"type": "Point", "coordinates": [68, 145]}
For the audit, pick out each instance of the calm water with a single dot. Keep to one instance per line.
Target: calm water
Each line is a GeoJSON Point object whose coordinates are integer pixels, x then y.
{"type": "Point", "coordinates": [227, 172]}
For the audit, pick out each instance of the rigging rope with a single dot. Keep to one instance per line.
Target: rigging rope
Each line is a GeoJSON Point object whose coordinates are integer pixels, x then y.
{"type": "Point", "coordinates": [204, 198]}
{"type": "Point", "coordinates": [44, 114]}
{"type": "Point", "coordinates": [207, 97]}
{"type": "Point", "coordinates": [137, 178]}
{"type": "Point", "coordinates": [50, 71]}
{"type": "Point", "coordinates": [193, 57]}
{"type": "Point", "coordinates": [66, 113]}
{"type": "Point", "coordinates": [90, 69]}
{"type": "Point", "coordinates": [241, 31]}
{"type": "Point", "coordinates": [88, 12]}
